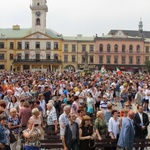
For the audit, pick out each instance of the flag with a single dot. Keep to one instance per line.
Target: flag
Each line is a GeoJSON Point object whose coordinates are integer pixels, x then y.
{"type": "Point", "coordinates": [103, 70]}
{"type": "Point", "coordinates": [119, 72]}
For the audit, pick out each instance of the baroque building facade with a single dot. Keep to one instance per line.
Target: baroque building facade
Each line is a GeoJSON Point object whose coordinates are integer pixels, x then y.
{"type": "Point", "coordinates": [41, 48]}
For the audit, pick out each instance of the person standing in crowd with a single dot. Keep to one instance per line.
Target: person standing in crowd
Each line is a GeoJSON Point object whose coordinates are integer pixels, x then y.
{"type": "Point", "coordinates": [7, 97]}
{"type": "Point", "coordinates": [63, 121]}
{"type": "Point", "coordinates": [4, 133]}
{"type": "Point", "coordinates": [101, 126]}
{"type": "Point", "coordinates": [90, 104]}
{"type": "Point", "coordinates": [124, 97]}
{"type": "Point", "coordinates": [141, 123]}
{"type": "Point", "coordinates": [79, 118]}
{"type": "Point", "coordinates": [107, 112]}
{"type": "Point", "coordinates": [14, 125]}
{"type": "Point", "coordinates": [36, 118]}
{"type": "Point", "coordinates": [47, 93]}
{"type": "Point", "coordinates": [85, 134]}
{"type": "Point", "coordinates": [71, 136]}
{"type": "Point", "coordinates": [126, 138]}
{"type": "Point", "coordinates": [2, 107]}
{"type": "Point", "coordinates": [75, 105]}
{"type": "Point", "coordinates": [24, 114]}
{"type": "Point", "coordinates": [139, 97]}
{"type": "Point", "coordinates": [114, 126]}
{"type": "Point", "coordinates": [52, 122]}
{"type": "Point", "coordinates": [32, 137]}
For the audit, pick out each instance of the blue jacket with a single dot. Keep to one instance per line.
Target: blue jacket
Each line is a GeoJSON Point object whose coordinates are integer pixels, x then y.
{"type": "Point", "coordinates": [126, 138]}
{"type": "Point", "coordinates": [2, 135]}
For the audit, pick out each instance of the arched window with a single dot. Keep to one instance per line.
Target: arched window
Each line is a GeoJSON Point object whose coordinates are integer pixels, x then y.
{"type": "Point", "coordinates": [38, 21]}
{"type": "Point", "coordinates": [138, 48]}
{"type": "Point", "coordinates": [101, 47]}
{"type": "Point", "coordinates": [123, 48]}
{"type": "Point", "coordinates": [116, 48]}
{"type": "Point", "coordinates": [108, 47]}
{"type": "Point", "coordinates": [130, 48]}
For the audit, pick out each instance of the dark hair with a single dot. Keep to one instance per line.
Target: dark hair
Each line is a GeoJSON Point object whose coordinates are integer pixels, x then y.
{"type": "Point", "coordinates": [80, 110]}
{"type": "Point", "coordinates": [14, 97]}
{"type": "Point", "coordinates": [113, 111]}
{"type": "Point", "coordinates": [140, 105]}
{"type": "Point", "coordinates": [76, 98]}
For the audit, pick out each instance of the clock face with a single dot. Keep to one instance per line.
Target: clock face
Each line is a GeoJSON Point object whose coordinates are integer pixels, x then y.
{"type": "Point", "coordinates": [38, 13]}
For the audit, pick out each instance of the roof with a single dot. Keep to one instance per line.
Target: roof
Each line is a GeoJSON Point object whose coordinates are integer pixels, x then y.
{"type": "Point", "coordinates": [132, 33]}
{"type": "Point", "coordinates": [21, 33]}
{"type": "Point", "coordinates": [78, 38]}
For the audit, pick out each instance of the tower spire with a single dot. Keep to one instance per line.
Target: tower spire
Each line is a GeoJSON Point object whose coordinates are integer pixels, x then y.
{"type": "Point", "coordinates": [140, 26]}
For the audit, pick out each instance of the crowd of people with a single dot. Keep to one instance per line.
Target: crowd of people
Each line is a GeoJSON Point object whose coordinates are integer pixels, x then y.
{"type": "Point", "coordinates": [82, 107]}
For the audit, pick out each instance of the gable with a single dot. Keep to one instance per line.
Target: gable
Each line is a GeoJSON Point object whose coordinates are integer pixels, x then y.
{"type": "Point", "coordinates": [37, 35]}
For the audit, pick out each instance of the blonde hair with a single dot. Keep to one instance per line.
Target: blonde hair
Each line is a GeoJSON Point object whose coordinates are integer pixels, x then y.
{"type": "Point", "coordinates": [35, 111]}
{"type": "Point", "coordinates": [99, 113]}
{"type": "Point", "coordinates": [12, 110]}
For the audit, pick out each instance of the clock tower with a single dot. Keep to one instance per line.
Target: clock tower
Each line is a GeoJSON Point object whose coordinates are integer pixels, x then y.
{"type": "Point", "coordinates": [39, 10]}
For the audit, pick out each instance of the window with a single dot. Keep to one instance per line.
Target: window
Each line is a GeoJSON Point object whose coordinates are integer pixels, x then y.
{"type": "Point", "coordinates": [2, 67]}
{"type": "Point", "coordinates": [73, 48]}
{"type": "Point", "coordinates": [138, 48]}
{"type": "Point", "coordinates": [101, 47]}
{"type": "Point", "coordinates": [38, 21]}
{"type": "Point", "coordinates": [1, 56]}
{"type": "Point", "coordinates": [48, 45]}
{"type": "Point", "coordinates": [91, 48]}
{"type": "Point", "coordinates": [73, 58]}
{"type": "Point", "coordinates": [37, 56]}
{"type": "Point", "coordinates": [146, 58]}
{"type": "Point", "coordinates": [19, 45]}
{"type": "Point", "coordinates": [11, 46]}
{"type": "Point", "coordinates": [65, 58]}
{"type": "Point", "coordinates": [19, 56]}
{"type": "Point", "coordinates": [83, 59]}
{"type": "Point", "coordinates": [65, 47]}
{"type": "Point", "coordinates": [55, 45]}
{"type": "Point", "coordinates": [101, 59]}
{"type": "Point", "coordinates": [83, 48]}
{"type": "Point", "coordinates": [123, 59]}
{"type": "Point", "coordinates": [11, 56]}
{"type": "Point", "coordinates": [92, 59]}
{"type": "Point", "coordinates": [147, 49]}
{"type": "Point", "coordinates": [116, 48]}
{"type": "Point", "coordinates": [26, 45]}
{"type": "Point", "coordinates": [26, 56]}
{"type": "Point", "coordinates": [137, 59]}
{"type": "Point", "coordinates": [130, 60]}
{"type": "Point", "coordinates": [2, 45]}
{"type": "Point", "coordinates": [108, 47]}
{"type": "Point", "coordinates": [48, 56]}
{"type": "Point", "coordinates": [108, 59]}
{"type": "Point", "coordinates": [130, 49]}
{"type": "Point", "coordinates": [123, 48]}
{"type": "Point", "coordinates": [37, 45]}
{"type": "Point", "coordinates": [56, 56]}
{"type": "Point", "coordinates": [115, 59]}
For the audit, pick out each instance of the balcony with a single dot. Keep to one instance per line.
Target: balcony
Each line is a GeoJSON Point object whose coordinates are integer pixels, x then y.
{"type": "Point", "coordinates": [37, 61]}
{"type": "Point", "coordinates": [119, 52]}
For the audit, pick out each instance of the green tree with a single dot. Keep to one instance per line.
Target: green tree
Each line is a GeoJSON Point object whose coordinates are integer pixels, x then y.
{"type": "Point", "coordinates": [147, 63]}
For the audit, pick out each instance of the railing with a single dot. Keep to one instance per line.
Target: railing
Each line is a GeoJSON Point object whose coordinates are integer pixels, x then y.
{"type": "Point", "coordinates": [37, 60]}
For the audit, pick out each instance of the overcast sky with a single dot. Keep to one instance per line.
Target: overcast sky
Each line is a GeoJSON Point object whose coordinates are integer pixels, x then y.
{"type": "Point", "coordinates": [86, 17]}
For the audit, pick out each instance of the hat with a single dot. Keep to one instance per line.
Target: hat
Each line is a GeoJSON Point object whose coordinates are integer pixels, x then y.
{"type": "Point", "coordinates": [104, 96]}
{"type": "Point", "coordinates": [39, 86]}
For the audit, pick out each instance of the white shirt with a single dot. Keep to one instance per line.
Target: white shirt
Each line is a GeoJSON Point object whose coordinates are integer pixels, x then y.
{"type": "Point", "coordinates": [113, 126]}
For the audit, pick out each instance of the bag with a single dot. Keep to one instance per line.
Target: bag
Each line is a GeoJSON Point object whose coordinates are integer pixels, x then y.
{"type": "Point", "coordinates": [12, 137]}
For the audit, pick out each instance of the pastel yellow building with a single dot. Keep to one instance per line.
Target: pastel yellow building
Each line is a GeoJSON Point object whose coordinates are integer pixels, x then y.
{"type": "Point", "coordinates": [33, 48]}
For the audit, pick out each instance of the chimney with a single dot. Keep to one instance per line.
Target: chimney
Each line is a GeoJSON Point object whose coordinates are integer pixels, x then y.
{"type": "Point", "coordinates": [16, 27]}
